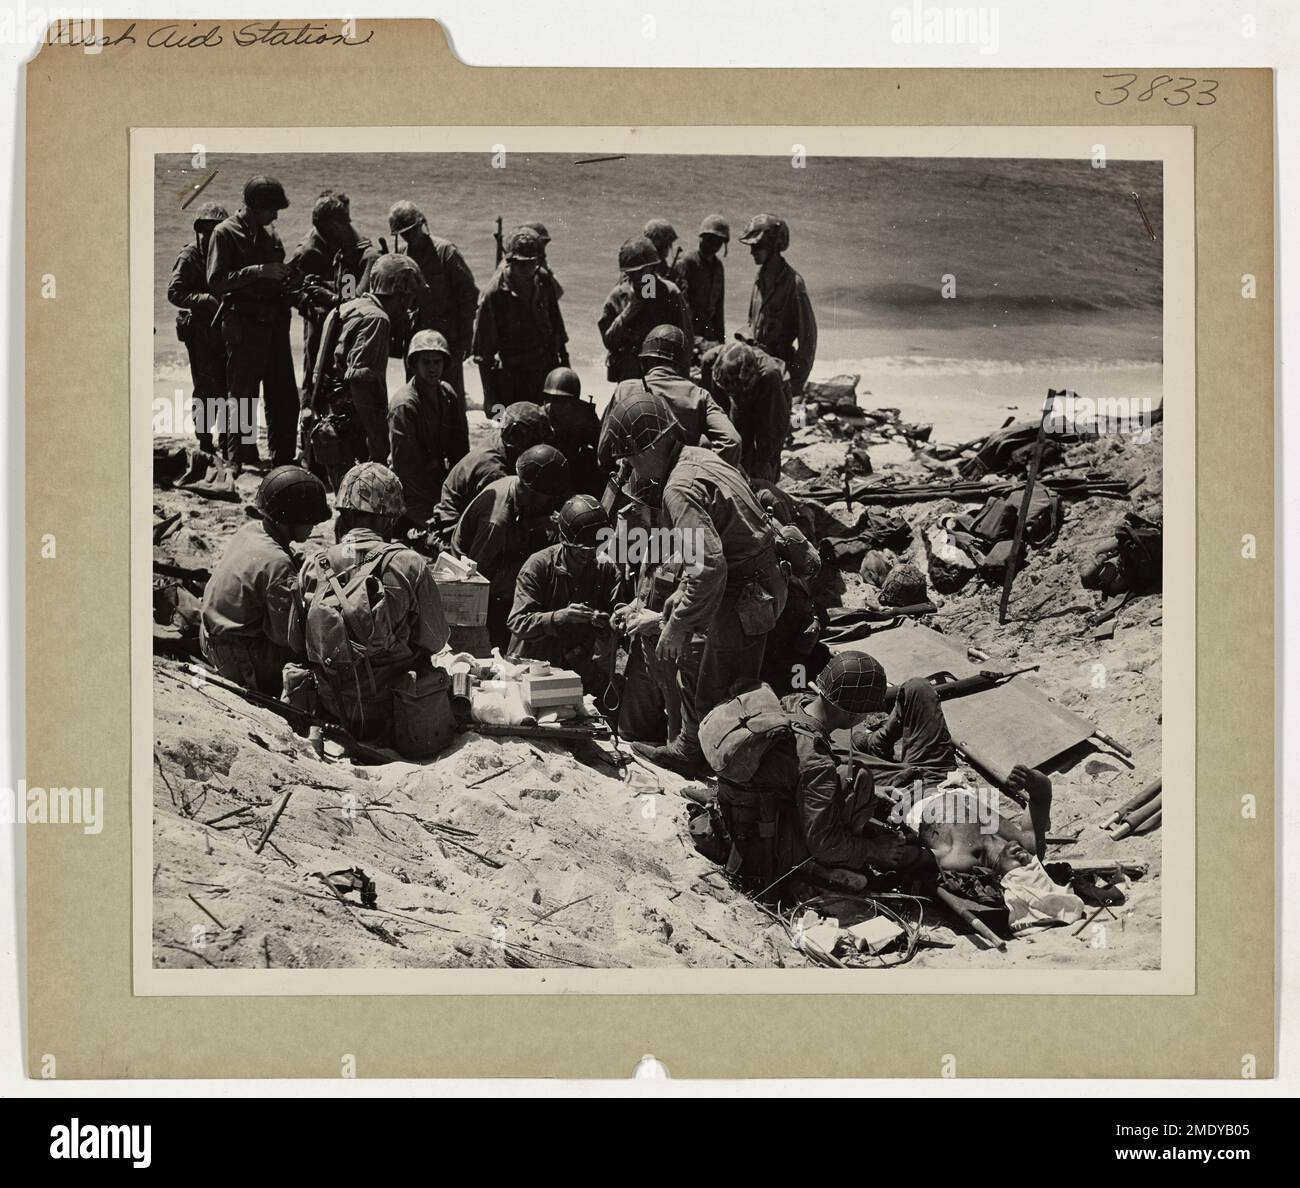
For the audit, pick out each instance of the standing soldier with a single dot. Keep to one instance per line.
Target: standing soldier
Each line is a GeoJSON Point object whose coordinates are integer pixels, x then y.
{"type": "Point", "coordinates": [640, 301]}
{"type": "Point", "coordinates": [244, 630]}
{"type": "Point", "coordinates": [519, 335]}
{"type": "Point", "coordinates": [426, 425]}
{"type": "Point", "coordinates": [703, 281]}
{"type": "Point", "coordinates": [198, 325]}
{"type": "Point", "coordinates": [506, 523]}
{"type": "Point", "coordinates": [575, 426]}
{"type": "Point", "coordinates": [246, 270]}
{"type": "Point", "coordinates": [756, 391]}
{"type": "Point", "coordinates": [545, 266]}
{"type": "Point", "coordinates": [349, 422]}
{"type": "Point", "coordinates": [330, 266]}
{"type": "Point", "coordinates": [448, 302]}
{"type": "Point", "coordinates": [733, 593]}
{"type": "Point", "coordinates": [781, 318]}
{"type": "Point", "coordinates": [663, 235]}
{"type": "Point", "coordinates": [701, 418]}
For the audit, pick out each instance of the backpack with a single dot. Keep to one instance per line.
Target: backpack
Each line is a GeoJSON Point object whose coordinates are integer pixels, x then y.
{"type": "Point", "coordinates": [996, 520]}
{"type": "Point", "coordinates": [736, 734]}
{"type": "Point", "coordinates": [347, 618]}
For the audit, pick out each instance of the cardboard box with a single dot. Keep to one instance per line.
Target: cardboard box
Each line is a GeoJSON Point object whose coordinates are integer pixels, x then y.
{"type": "Point", "coordinates": [557, 686]}
{"type": "Point", "coordinates": [462, 589]}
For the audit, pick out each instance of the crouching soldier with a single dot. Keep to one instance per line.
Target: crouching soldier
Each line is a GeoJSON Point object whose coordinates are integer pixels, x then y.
{"type": "Point", "coordinates": [523, 425]}
{"type": "Point", "coordinates": [564, 596]}
{"type": "Point", "coordinates": [732, 589]}
{"type": "Point", "coordinates": [244, 630]}
{"type": "Point", "coordinates": [427, 426]}
{"type": "Point", "coordinates": [506, 523]}
{"type": "Point", "coordinates": [576, 428]}
{"type": "Point", "coordinates": [368, 612]}
{"type": "Point", "coordinates": [785, 800]}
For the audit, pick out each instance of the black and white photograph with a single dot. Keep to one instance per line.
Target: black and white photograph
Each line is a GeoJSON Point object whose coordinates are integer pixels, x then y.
{"type": "Point", "coordinates": [705, 551]}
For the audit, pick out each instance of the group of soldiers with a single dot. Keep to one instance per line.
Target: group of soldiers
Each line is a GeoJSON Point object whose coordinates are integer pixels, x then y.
{"type": "Point", "coordinates": [659, 639]}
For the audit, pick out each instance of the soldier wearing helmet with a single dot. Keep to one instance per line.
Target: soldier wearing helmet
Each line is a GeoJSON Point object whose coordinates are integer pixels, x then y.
{"type": "Point", "coordinates": [348, 420]}
{"type": "Point", "coordinates": [702, 419]}
{"type": "Point", "coordinates": [330, 266]}
{"type": "Point", "coordinates": [731, 590]}
{"type": "Point", "coordinates": [426, 426]}
{"type": "Point", "coordinates": [519, 334]}
{"type": "Point", "coordinates": [564, 595]}
{"type": "Point", "coordinates": [507, 522]}
{"type": "Point", "coordinates": [450, 296]}
{"type": "Point", "coordinates": [247, 272]}
{"type": "Point", "coordinates": [244, 628]}
{"type": "Point", "coordinates": [781, 319]}
{"type": "Point", "coordinates": [576, 428]}
{"type": "Point", "coordinates": [754, 388]}
{"type": "Point", "coordinates": [545, 266]}
{"type": "Point", "coordinates": [198, 325]}
{"type": "Point", "coordinates": [703, 280]}
{"type": "Point", "coordinates": [642, 300]}
{"type": "Point", "coordinates": [405, 624]}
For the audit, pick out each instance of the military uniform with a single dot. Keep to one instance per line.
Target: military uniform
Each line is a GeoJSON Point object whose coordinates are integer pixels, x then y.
{"type": "Point", "coordinates": [355, 387]}
{"type": "Point", "coordinates": [703, 281]}
{"type": "Point", "coordinates": [724, 602]}
{"type": "Point", "coordinates": [913, 744]}
{"type": "Point", "coordinates": [344, 272]}
{"type": "Point", "coordinates": [761, 415]}
{"type": "Point", "coordinates": [448, 302]}
{"type": "Point", "coordinates": [364, 705]}
{"type": "Point", "coordinates": [781, 316]}
{"type": "Point", "coordinates": [475, 471]}
{"type": "Point", "coordinates": [547, 582]}
{"type": "Point", "coordinates": [701, 417]}
{"type": "Point", "coordinates": [519, 335]}
{"type": "Point", "coordinates": [429, 435]}
{"type": "Point", "coordinates": [255, 330]}
{"type": "Point", "coordinates": [244, 627]}
{"type": "Point", "coordinates": [495, 533]}
{"type": "Point", "coordinates": [624, 326]}
{"type": "Point", "coordinates": [188, 289]}
{"type": "Point", "coordinates": [576, 426]}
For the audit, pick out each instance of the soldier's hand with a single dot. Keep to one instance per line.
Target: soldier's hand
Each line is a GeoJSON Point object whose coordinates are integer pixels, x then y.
{"type": "Point", "coordinates": [672, 642]}
{"type": "Point", "coordinates": [572, 615]}
{"type": "Point", "coordinates": [275, 271]}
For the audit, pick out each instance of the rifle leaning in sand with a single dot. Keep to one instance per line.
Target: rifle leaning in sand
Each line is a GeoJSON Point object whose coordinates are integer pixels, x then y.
{"type": "Point", "coordinates": [1018, 540]}
{"type": "Point", "coordinates": [297, 718]}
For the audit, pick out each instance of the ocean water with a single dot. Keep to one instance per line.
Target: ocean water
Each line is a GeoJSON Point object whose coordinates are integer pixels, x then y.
{"type": "Point", "coordinates": [1052, 264]}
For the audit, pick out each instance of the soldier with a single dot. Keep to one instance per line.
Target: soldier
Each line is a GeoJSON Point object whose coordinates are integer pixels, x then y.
{"type": "Point", "coordinates": [426, 426]}
{"type": "Point", "coordinates": [642, 300]}
{"type": "Point", "coordinates": [331, 266]}
{"type": "Point", "coordinates": [663, 235]}
{"type": "Point", "coordinates": [523, 425]}
{"type": "Point", "coordinates": [246, 270]}
{"type": "Point", "coordinates": [564, 595]}
{"type": "Point", "coordinates": [244, 630]}
{"type": "Point", "coordinates": [781, 319]}
{"type": "Point", "coordinates": [756, 390]}
{"type": "Point", "coordinates": [519, 335]}
{"type": "Point", "coordinates": [198, 324]}
{"type": "Point", "coordinates": [349, 422]}
{"type": "Point", "coordinates": [507, 522]}
{"type": "Point", "coordinates": [448, 301]}
{"type": "Point", "coordinates": [576, 428]}
{"type": "Point", "coordinates": [545, 266]}
{"type": "Point", "coordinates": [359, 694]}
{"type": "Point", "coordinates": [703, 281]}
{"type": "Point", "coordinates": [703, 422]}
{"type": "Point", "coordinates": [731, 592]}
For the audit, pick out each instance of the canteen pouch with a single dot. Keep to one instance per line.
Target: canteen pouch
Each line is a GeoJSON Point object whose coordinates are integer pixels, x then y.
{"type": "Point", "coordinates": [756, 608]}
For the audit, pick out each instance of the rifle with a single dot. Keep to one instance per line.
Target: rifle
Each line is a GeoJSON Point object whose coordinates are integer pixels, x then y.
{"type": "Point", "coordinates": [165, 569]}
{"type": "Point", "coordinates": [1018, 541]}
{"type": "Point", "coordinates": [297, 718]}
{"type": "Point", "coordinates": [501, 243]}
{"type": "Point", "coordinates": [947, 686]}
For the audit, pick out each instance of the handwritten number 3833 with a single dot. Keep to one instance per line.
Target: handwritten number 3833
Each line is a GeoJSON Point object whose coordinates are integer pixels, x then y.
{"type": "Point", "coordinates": [1204, 91]}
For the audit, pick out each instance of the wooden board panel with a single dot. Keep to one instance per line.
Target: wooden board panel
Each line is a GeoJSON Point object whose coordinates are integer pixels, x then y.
{"type": "Point", "coordinates": [1013, 723]}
